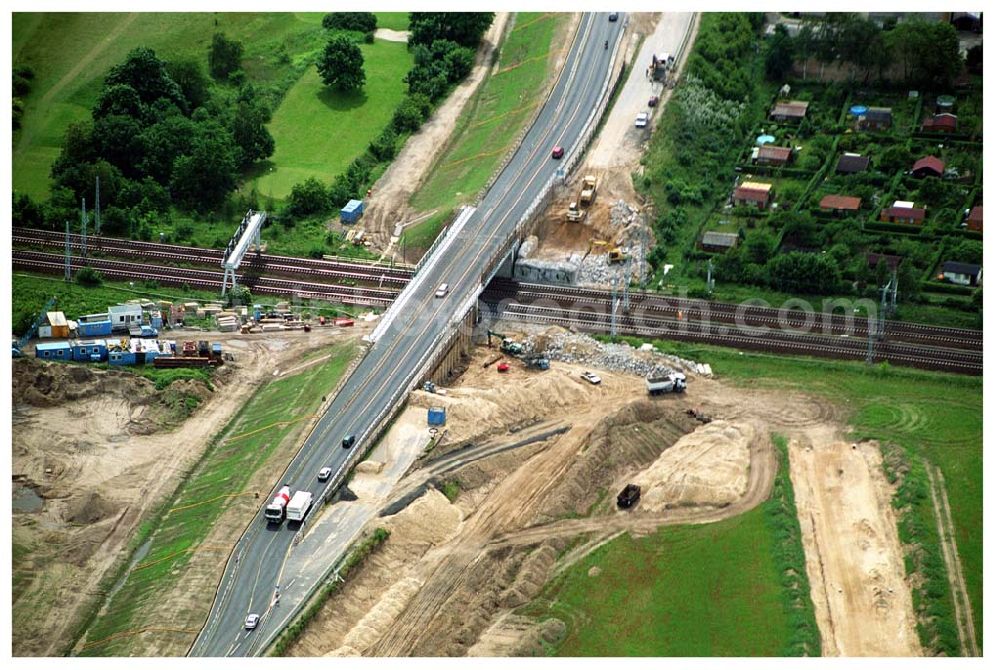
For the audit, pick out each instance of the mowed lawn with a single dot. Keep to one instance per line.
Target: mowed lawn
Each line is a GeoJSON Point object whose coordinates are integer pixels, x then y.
{"type": "Point", "coordinates": [707, 590]}
{"type": "Point", "coordinates": [71, 52]}
{"type": "Point", "coordinates": [319, 131]}
{"type": "Point", "coordinates": [932, 415]}
{"type": "Point", "coordinates": [485, 131]}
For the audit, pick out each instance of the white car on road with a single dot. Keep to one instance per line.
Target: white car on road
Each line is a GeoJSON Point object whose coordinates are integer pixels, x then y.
{"type": "Point", "coordinates": [251, 622]}
{"type": "Point", "coordinates": [641, 119]}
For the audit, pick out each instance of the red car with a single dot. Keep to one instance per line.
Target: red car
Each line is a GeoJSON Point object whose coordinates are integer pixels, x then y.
{"type": "Point", "coordinates": [557, 152]}
{"type": "Point", "coordinates": [654, 100]}
{"type": "Point", "coordinates": [503, 367]}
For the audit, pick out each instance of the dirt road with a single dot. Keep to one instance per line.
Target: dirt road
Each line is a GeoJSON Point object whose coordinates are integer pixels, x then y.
{"type": "Point", "coordinates": [389, 202]}
{"type": "Point", "coordinates": [853, 555]}
{"type": "Point", "coordinates": [620, 143]}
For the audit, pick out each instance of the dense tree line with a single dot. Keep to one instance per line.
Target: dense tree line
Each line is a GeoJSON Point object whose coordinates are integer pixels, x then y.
{"type": "Point", "coordinates": [20, 86]}
{"type": "Point", "coordinates": [157, 137]}
{"type": "Point", "coordinates": [927, 51]}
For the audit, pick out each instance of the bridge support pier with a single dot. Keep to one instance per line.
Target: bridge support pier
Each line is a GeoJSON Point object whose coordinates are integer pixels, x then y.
{"type": "Point", "coordinates": [454, 358]}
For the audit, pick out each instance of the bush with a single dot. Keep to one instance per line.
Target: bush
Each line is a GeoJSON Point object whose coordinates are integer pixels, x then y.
{"type": "Point", "coordinates": [88, 276]}
{"type": "Point", "coordinates": [307, 198]}
{"type": "Point", "coordinates": [363, 22]}
{"type": "Point", "coordinates": [383, 147]}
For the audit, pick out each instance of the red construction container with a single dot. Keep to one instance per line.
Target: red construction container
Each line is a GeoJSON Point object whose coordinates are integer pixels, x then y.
{"type": "Point", "coordinates": [343, 322]}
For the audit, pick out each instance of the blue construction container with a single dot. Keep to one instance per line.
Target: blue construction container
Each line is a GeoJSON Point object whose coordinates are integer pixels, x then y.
{"type": "Point", "coordinates": [435, 416]}
{"type": "Point", "coordinates": [60, 351]}
{"type": "Point", "coordinates": [352, 211]}
{"type": "Point", "coordinates": [121, 357]}
{"type": "Point", "coordinates": [217, 349]}
{"type": "Point", "coordinates": [94, 325]}
{"type": "Point", "coordinates": [90, 351]}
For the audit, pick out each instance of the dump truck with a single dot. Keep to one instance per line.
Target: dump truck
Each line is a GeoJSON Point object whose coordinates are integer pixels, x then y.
{"type": "Point", "coordinates": [574, 213]}
{"type": "Point", "coordinates": [662, 63]}
{"type": "Point", "coordinates": [629, 496]}
{"type": "Point", "coordinates": [299, 505]}
{"type": "Point", "coordinates": [275, 510]}
{"type": "Point", "coordinates": [672, 382]}
{"type": "Point", "coordinates": [589, 190]}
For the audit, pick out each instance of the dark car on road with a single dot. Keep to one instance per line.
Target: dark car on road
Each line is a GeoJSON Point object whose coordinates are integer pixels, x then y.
{"type": "Point", "coordinates": [557, 152]}
{"type": "Point", "coordinates": [348, 442]}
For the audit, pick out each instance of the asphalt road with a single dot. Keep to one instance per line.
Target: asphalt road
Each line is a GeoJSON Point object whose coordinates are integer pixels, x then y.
{"type": "Point", "coordinates": [254, 574]}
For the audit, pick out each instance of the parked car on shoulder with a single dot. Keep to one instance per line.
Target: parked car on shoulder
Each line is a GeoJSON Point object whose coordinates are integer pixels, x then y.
{"type": "Point", "coordinates": [641, 119]}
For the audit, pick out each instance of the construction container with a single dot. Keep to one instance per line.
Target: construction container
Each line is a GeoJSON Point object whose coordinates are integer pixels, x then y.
{"type": "Point", "coordinates": [435, 416]}
{"type": "Point", "coordinates": [343, 322]}
{"type": "Point", "coordinates": [94, 325]}
{"type": "Point", "coordinates": [55, 325]}
{"type": "Point", "coordinates": [352, 211]}
{"type": "Point", "coordinates": [60, 351]}
{"type": "Point", "coordinates": [88, 351]}
{"type": "Point", "coordinates": [191, 307]}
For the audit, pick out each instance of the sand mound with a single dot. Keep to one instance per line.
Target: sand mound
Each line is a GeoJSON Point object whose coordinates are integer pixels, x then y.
{"type": "Point", "coordinates": [706, 467]}
{"type": "Point", "coordinates": [379, 618]}
{"type": "Point", "coordinates": [515, 635]}
{"type": "Point", "coordinates": [478, 411]}
{"type": "Point", "coordinates": [43, 384]}
{"type": "Point", "coordinates": [430, 519]}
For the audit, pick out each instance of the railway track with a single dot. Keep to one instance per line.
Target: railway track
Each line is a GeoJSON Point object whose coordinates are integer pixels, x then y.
{"type": "Point", "coordinates": [747, 317]}
{"type": "Point", "coordinates": [38, 261]}
{"type": "Point", "coordinates": [746, 326]}
{"type": "Point", "coordinates": [253, 263]}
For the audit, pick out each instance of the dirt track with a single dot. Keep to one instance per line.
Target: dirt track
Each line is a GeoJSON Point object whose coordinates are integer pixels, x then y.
{"type": "Point", "coordinates": [853, 555]}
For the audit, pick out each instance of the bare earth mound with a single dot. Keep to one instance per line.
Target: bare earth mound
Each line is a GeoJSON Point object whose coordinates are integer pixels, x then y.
{"type": "Point", "coordinates": [709, 466]}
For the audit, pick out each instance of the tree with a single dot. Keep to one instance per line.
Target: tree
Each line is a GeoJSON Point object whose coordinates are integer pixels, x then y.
{"type": "Point", "coordinates": [364, 22]}
{"type": "Point", "coordinates": [759, 246]}
{"type": "Point", "coordinates": [202, 179]}
{"type": "Point", "coordinates": [779, 55]}
{"type": "Point", "coordinates": [307, 198]}
{"type": "Point", "coordinates": [342, 65]}
{"type": "Point", "coordinates": [224, 56]}
{"type": "Point", "coordinates": [974, 59]}
{"type": "Point", "coordinates": [119, 140]}
{"type": "Point", "coordinates": [191, 79]}
{"type": "Point", "coordinates": [411, 112]}
{"type": "Point", "coordinates": [148, 77]}
{"type": "Point", "coordinates": [26, 212]}
{"type": "Point", "coordinates": [928, 51]}
{"type": "Point", "coordinates": [383, 147]}
{"type": "Point", "coordinates": [250, 128]}
{"type": "Point", "coordinates": [465, 28]}
{"type": "Point", "coordinates": [908, 283]}
{"type": "Point", "coordinates": [803, 272]}
{"type": "Point", "coordinates": [119, 99]}
{"type": "Point", "coordinates": [164, 142]}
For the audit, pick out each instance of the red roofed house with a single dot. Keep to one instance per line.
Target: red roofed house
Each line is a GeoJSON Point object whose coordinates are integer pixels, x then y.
{"type": "Point", "coordinates": [940, 123]}
{"type": "Point", "coordinates": [840, 203]}
{"type": "Point", "coordinates": [903, 212]}
{"type": "Point", "coordinates": [928, 166]}
{"type": "Point", "coordinates": [792, 110]}
{"type": "Point", "coordinates": [752, 194]}
{"type": "Point", "coordinates": [768, 155]}
{"type": "Point", "coordinates": [975, 219]}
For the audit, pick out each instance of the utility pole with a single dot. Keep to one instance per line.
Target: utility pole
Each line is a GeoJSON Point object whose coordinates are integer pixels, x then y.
{"type": "Point", "coordinates": [614, 305]}
{"type": "Point", "coordinates": [709, 282]}
{"type": "Point", "coordinates": [97, 206]}
{"type": "Point", "coordinates": [642, 249]}
{"type": "Point", "coordinates": [83, 225]}
{"type": "Point", "coordinates": [67, 273]}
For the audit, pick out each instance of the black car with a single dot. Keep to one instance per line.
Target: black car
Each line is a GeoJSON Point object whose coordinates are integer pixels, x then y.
{"type": "Point", "coordinates": [348, 442]}
{"type": "Point", "coordinates": [613, 16]}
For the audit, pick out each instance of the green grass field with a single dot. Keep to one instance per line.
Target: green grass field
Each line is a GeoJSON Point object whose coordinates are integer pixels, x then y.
{"type": "Point", "coordinates": [932, 415]}
{"type": "Point", "coordinates": [485, 131]}
{"type": "Point", "coordinates": [275, 415]}
{"type": "Point", "coordinates": [71, 52]}
{"type": "Point", "coordinates": [393, 20]}
{"type": "Point", "coordinates": [318, 131]}
{"type": "Point", "coordinates": [708, 590]}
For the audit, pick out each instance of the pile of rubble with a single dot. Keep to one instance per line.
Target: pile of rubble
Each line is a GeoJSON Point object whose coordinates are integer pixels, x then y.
{"type": "Point", "coordinates": [569, 347]}
{"type": "Point", "coordinates": [628, 233]}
